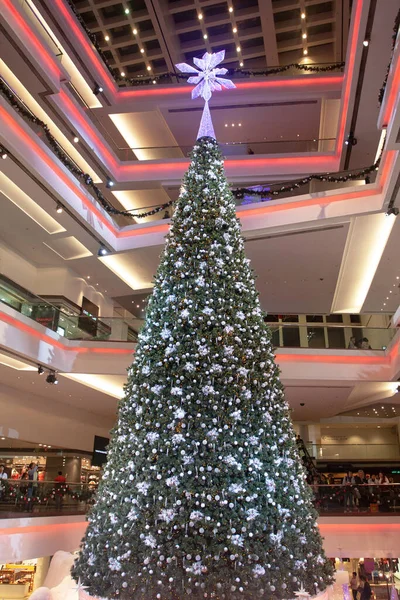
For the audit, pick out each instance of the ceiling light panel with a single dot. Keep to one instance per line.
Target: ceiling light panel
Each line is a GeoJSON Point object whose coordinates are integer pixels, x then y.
{"type": "Point", "coordinates": [69, 248]}
{"type": "Point", "coordinates": [25, 203]}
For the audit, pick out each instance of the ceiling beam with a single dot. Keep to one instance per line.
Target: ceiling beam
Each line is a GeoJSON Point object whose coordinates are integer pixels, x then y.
{"type": "Point", "coordinates": [268, 29]}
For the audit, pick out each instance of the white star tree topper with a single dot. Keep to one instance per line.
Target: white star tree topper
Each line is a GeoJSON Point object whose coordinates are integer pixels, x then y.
{"type": "Point", "coordinates": [207, 80]}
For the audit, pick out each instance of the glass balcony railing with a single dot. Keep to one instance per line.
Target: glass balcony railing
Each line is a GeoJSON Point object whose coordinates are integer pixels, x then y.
{"type": "Point", "coordinates": [335, 336]}
{"type": "Point", "coordinates": [340, 452]}
{"type": "Point", "coordinates": [47, 498]}
{"type": "Point", "coordinates": [44, 498]}
{"type": "Point", "coordinates": [232, 149]}
{"type": "Point", "coordinates": [71, 326]}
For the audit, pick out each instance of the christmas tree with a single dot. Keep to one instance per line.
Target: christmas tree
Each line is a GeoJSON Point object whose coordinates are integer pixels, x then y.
{"type": "Point", "coordinates": [203, 494]}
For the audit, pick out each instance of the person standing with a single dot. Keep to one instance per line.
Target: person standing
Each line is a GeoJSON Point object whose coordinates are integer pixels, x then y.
{"type": "Point", "coordinates": [354, 585]}
{"type": "Point", "coordinates": [3, 478]}
{"type": "Point", "coordinates": [348, 482]}
{"type": "Point", "coordinates": [32, 487]}
{"type": "Point", "coordinates": [365, 588]}
{"type": "Point", "coordinates": [60, 482]}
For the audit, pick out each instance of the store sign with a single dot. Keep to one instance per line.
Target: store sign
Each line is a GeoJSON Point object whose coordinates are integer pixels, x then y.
{"type": "Point", "coordinates": [99, 451]}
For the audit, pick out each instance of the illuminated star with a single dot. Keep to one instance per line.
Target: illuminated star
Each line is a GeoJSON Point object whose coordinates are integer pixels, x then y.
{"type": "Point", "coordinates": [207, 80]}
{"type": "Point", "coordinates": [80, 586]}
{"type": "Point", "coordinates": [302, 593]}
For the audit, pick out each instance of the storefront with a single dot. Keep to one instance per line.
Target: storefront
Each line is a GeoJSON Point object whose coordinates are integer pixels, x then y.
{"type": "Point", "coordinates": [19, 580]}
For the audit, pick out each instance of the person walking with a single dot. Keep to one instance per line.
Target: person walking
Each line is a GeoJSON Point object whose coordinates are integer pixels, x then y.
{"type": "Point", "coordinates": [354, 585]}
{"type": "Point", "coordinates": [365, 588]}
{"type": "Point", "coordinates": [32, 487]}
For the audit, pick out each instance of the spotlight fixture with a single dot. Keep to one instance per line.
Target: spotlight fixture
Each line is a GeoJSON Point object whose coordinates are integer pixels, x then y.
{"type": "Point", "coordinates": [76, 140]}
{"type": "Point", "coordinates": [3, 153]}
{"type": "Point", "coordinates": [103, 251]}
{"type": "Point", "coordinates": [366, 43]}
{"type": "Point", "coordinates": [59, 208]}
{"type": "Point", "coordinates": [351, 140]}
{"type": "Point", "coordinates": [52, 378]}
{"type": "Point", "coordinates": [393, 210]}
{"type": "Point", "coordinates": [40, 370]}
{"type": "Point", "coordinates": [97, 89]}
{"type": "Point", "coordinates": [109, 183]}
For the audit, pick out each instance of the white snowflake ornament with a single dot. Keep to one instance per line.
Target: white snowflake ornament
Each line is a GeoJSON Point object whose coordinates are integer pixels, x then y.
{"type": "Point", "coordinates": [207, 81]}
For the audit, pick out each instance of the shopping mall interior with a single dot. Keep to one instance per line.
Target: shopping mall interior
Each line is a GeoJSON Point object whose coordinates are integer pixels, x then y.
{"type": "Point", "coordinates": [97, 126]}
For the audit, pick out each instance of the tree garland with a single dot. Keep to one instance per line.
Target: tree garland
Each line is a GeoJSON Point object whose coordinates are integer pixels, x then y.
{"type": "Point", "coordinates": [138, 81]}
{"type": "Point", "coordinates": [396, 28]}
{"type": "Point", "coordinates": [264, 191]}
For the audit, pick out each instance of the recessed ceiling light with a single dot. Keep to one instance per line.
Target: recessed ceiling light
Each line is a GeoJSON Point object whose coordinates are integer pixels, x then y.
{"type": "Point", "coordinates": [365, 43]}
{"type": "Point", "coordinates": [134, 31]}
{"type": "Point", "coordinates": [233, 124]}
{"type": "Point", "coordinates": [303, 15]}
{"type": "Point", "coordinates": [234, 30]}
{"type": "Point", "coordinates": [305, 52]}
{"type": "Point", "coordinates": [149, 68]}
{"type": "Point", "coordinates": [142, 50]}
{"type": "Point", "coordinates": [122, 73]}
{"type": "Point", "coordinates": [397, 277]}
{"type": "Point", "coordinates": [240, 124]}
{"type": "Point", "coordinates": [107, 38]}
{"type": "Point", "coordinates": [127, 11]}
{"type": "Point", "coordinates": [384, 304]}
{"type": "Point", "coordinates": [304, 36]}
{"type": "Point", "coordinates": [205, 36]}
{"type": "Point", "coordinates": [154, 81]}
{"type": "Point", "coordinates": [226, 124]}
{"type": "Point", "coordinates": [238, 48]}
{"type": "Point", "coordinates": [231, 9]}
{"type": "Point", "coordinates": [200, 17]}
{"type": "Point", "coordinates": [76, 139]}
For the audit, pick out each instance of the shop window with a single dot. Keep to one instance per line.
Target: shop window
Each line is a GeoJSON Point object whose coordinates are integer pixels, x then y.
{"type": "Point", "coordinates": [334, 318]}
{"type": "Point", "coordinates": [291, 337]}
{"type": "Point", "coordinates": [314, 318]}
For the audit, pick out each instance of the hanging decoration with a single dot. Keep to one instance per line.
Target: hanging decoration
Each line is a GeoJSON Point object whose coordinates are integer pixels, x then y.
{"type": "Point", "coordinates": [265, 191]}
{"type": "Point", "coordinates": [396, 29]}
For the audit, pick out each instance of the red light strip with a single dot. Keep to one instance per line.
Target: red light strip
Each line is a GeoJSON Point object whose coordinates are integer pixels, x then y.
{"type": "Point", "coordinates": [29, 141]}
{"type": "Point", "coordinates": [69, 107]}
{"type": "Point", "coordinates": [349, 76]}
{"type": "Point", "coordinates": [44, 337]}
{"type": "Point", "coordinates": [29, 33]}
{"type": "Point", "coordinates": [299, 82]}
{"type": "Point", "coordinates": [393, 96]}
{"type": "Point", "coordinates": [91, 53]}
{"type": "Point", "coordinates": [333, 359]}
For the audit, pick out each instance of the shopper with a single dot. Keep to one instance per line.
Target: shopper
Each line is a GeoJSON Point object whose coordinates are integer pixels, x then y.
{"type": "Point", "coordinates": [60, 482]}
{"type": "Point", "coordinates": [354, 585]}
{"type": "Point", "coordinates": [365, 588]}
{"type": "Point", "coordinates": [365, 344]}
{"type": "Point", "coordinates": [32, 487]}
{"type": "Point", "coordinates": [3, 477]}
{"type": "Point", "coordinates": [352, 343]}
{"type": "Point", "coordinates": [348, 482]}
{"type": "Point", "coordinates": [382, 479]}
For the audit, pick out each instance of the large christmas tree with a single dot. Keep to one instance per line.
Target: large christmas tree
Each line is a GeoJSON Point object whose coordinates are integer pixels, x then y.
{"type": "Point", "coordinates": [203, 494]}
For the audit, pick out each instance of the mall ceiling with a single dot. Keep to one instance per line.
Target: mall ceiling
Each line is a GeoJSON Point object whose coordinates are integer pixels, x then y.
{"type": "Point", "coordinates": [139, 37]}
